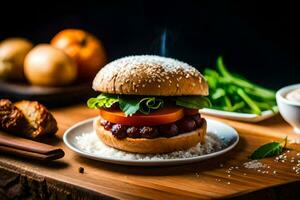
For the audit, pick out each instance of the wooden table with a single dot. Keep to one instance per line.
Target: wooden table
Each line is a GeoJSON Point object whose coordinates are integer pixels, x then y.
{"type": "Point", "coordinates": [203, 180]}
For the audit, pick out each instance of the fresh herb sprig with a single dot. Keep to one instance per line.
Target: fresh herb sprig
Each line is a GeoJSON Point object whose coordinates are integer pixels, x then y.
{"type": "Point", "coordinates": [231, 92]}
{"type": "Point", "coordinates": [269, 150]}
{"type": "Point", "coordinates": [133, 104]}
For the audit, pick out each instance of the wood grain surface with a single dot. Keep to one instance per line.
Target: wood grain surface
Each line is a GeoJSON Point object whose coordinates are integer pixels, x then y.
{"type": "Point", "coordinates": [203, 180]}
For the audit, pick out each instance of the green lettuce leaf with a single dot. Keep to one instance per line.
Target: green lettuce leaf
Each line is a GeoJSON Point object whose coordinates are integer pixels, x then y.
{"type": "Point", "coordinates": [103, 100]}
{"type": "Point", "coordinates": [129, 106]}
{"type": "Point", "coordinates": [150, 103]}
{"type": "Point", "coordinates": [193, 102]}
{"type": "Point", "coordinates": [133, 104]}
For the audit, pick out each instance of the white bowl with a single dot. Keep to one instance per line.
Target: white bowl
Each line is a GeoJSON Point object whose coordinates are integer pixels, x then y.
{"type": "Point", "coordinates": [289, 110]}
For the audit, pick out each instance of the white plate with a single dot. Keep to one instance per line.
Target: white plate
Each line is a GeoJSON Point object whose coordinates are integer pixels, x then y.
{"type": "Point", "coordinates": [227, 134]}
{"type": "Point", "coordinates": [239, 116]}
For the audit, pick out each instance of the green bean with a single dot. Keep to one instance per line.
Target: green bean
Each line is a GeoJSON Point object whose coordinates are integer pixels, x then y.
{"type": "Point", "coordinates": [234, 93]}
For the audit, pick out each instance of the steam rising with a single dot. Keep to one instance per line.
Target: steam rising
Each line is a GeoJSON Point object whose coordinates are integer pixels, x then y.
{"type": "Point", "coordinates": [163, 42]}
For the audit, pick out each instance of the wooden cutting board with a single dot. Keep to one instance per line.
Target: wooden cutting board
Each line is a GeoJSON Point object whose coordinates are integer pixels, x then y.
{"type": "Point", "coordinates": [221, 177]}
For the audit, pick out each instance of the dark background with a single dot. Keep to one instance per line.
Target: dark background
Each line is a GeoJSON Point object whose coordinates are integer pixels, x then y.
{"type": "Point", "coordinates": [258, 40]}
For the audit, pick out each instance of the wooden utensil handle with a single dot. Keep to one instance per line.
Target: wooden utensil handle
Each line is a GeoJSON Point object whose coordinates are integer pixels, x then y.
{"type": "Point", "coordinates": [26, 145]}
{"type": "Point", "coordinates": [26, 154]}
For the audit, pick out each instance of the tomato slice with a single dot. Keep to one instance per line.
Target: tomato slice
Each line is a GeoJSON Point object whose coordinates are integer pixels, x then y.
{"type": "Point", "coordinates": [165, 115]}
{"type": "Point", "coordinates": [189, 111]}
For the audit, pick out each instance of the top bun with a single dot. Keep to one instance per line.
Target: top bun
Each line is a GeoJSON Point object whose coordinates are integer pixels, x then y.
{"type": "Point", "coordinates": [150, 75]}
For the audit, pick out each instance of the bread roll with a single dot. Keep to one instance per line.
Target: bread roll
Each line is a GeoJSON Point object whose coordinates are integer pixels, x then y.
{"type": "Point", "coordinates": [150, 75]}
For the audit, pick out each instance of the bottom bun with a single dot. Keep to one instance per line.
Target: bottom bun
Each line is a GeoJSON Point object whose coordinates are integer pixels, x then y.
{"type": "Point", "coordinates": [156, 145]}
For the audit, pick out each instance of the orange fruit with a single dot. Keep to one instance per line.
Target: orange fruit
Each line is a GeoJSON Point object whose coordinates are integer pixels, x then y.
{"type": "Point", "coordinates": [85, 48]}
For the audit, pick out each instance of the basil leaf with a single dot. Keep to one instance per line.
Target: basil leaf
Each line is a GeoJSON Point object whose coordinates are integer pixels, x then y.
{"type": "Point", "coordinates": [269, 150]}
{"type": "Point", "coordinates": [193, 102]}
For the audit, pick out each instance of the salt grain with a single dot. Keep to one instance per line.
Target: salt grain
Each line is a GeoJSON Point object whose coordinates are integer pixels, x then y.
{"type": "Point", "coordinates": [254, 164]}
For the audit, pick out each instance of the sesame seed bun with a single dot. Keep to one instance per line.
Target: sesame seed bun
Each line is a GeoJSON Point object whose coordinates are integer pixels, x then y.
{"type": "Point", "coordinates": [150, 75]}
{"type": "Point", "coordinates": [156, 145]}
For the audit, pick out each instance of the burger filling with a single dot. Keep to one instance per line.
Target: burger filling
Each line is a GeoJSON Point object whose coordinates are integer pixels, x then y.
{"type": "Point", "coordinates": [184, 125]}
{"type": "Point", "coordinates": [149, 117]}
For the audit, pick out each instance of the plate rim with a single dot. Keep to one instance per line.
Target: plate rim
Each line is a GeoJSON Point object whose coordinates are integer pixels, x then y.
{"type": "Point", "coordinates": [249, 117]}
{"type": "Point", "coordinates": [145, 162]}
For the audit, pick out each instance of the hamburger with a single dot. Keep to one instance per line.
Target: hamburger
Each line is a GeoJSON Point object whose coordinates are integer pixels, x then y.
{"type": "Point", "coordinates": [150, 104]}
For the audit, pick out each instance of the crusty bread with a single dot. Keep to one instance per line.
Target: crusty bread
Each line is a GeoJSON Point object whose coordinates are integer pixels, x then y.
{"type": "Point", "coordinates": [11, 118]}
{"type": "Point", "coordinates": [26, 118]}
{"type": "Point", "coordinates": [150, 75]}
{"type": "Point", "coordinates": [156, 145]}
{"type": "Point", "coordinates": [42, 123]}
